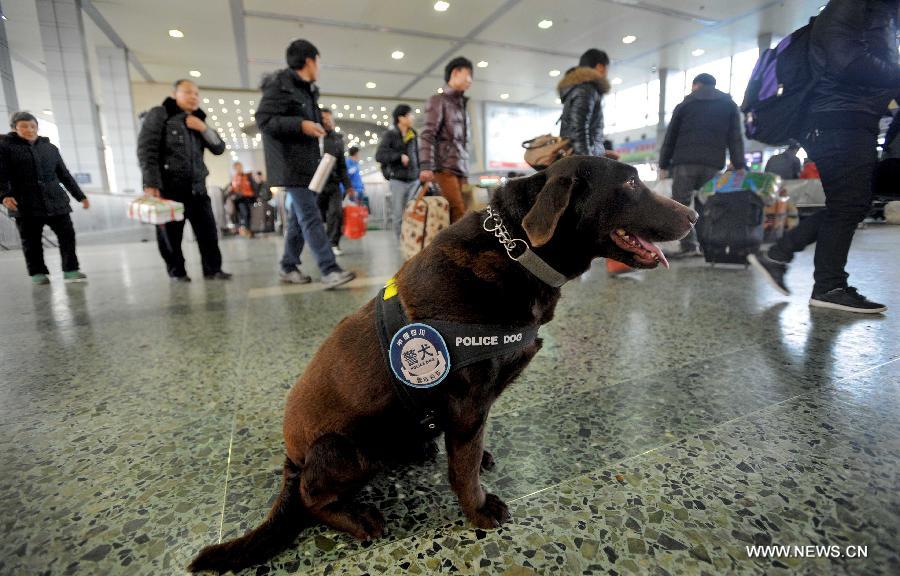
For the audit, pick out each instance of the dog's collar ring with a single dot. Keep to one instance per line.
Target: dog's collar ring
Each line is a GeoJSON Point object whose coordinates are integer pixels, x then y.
{"type": "Point", "coordinates": [499, 230]}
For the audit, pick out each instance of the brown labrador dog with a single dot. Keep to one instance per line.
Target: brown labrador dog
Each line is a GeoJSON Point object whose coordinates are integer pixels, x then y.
{"type": "Point", "coordinates": [344, 419]}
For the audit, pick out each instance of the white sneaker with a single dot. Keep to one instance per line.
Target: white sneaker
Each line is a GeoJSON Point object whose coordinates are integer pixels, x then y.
{"type": "Point", "coordinates": [337, 278]}
{"type": "Point", "coordinates": [337, 251]}
{"type": "Point", "coordinates": [293, 277]}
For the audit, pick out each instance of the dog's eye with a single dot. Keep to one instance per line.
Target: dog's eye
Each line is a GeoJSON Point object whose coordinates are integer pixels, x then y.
{"type": "Point", "coordinates": [631, 182]}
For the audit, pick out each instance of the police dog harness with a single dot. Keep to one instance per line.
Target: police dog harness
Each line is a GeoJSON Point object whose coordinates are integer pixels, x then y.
{"type": "Point", "coordinates": [422, 354]}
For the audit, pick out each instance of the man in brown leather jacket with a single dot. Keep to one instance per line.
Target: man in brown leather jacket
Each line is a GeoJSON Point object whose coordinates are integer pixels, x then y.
{"type": "Point", "coordinates": [443, 142]}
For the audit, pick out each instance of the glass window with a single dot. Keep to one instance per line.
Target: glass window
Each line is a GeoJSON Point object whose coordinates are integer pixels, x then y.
{"type": "Point", "coordinates": [720, 69]}
{"type": "Point", "coordinates": [675, 91]}
{"type": "Point", "coordinates": [741, 69]}
{"type": "Point", "coordinates": [631, 108]}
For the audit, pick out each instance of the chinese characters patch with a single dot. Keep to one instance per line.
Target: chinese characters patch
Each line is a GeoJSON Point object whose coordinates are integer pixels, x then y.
{"type": "Point", "coordinates": [419, 356]}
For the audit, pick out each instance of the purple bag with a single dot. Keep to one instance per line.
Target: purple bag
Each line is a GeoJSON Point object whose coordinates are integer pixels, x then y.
{"type": "Point", "coordinates": [776, 97]}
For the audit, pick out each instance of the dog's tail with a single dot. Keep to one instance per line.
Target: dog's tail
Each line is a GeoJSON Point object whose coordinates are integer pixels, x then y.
{"type": "Point", "coordinates": [285, 522]}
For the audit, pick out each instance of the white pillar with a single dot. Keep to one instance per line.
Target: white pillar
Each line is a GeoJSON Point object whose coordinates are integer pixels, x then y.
{"type": "Point", "coordinates": [119, 124]}
{"type": "Point", "coordinates": [74, 106]}
{"type": "Point", "coordinates": [9, 103]}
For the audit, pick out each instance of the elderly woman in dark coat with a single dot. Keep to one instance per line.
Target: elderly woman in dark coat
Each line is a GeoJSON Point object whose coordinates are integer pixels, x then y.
{"type": "Point", "coordinates": [35, 187]}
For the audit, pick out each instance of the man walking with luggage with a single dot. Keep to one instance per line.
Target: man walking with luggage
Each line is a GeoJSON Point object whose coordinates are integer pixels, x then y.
{"type": "Point", "coordinates": [443, 143]}
{"type": "Point", "coordinates": [853, 51]}
{"type": "Point", "coordinates": [170, 150]}
{"type": "Point", "coordinates": [293, 139]}
{"type": "Point", "coordinates": [703, 126]}
{"type": "Point", "coordinates": [330, 200]}
{"type": "Point", "coordinates": [398, 154]}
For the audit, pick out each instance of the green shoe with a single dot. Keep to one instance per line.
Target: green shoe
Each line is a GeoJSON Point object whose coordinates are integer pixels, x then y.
{"type": "Point", "coordinates": [74, 276]}
{"type": "Point", "coordinates": [40, 279]}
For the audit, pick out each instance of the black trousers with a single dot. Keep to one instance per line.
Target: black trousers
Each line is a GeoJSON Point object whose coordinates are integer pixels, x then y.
{"type": "Point", "coordinates": [330, 205]}
{"type": "Point", "coordinates": [31, 229]}
{"type": "Point", "coordinates": [846, 159]}
{"type": "Point", "coordinates": [686, 180]}
{"type": "Point", "coordinates": [198, 211]}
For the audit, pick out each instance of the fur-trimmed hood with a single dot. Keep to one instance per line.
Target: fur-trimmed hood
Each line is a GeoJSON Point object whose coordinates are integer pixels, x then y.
{"type": "Point", "coordinates": [172, 109]}
{"type": "Point", "coordinates": [582, 75]}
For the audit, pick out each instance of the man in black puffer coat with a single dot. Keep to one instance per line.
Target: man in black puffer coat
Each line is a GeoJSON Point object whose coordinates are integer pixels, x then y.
{"type": "Point", "coordinates": [293, 139]}
{"type": "Point", "coordinates": [703, 126]}
{"type": "Point", "coordinates": [170, 150]}
{"type": "Point", "coordinates": [33, 185]}
{"type": "Point", "coordinates": [853, 52]}
{"type": "Point", "coordinates": [581, 91]}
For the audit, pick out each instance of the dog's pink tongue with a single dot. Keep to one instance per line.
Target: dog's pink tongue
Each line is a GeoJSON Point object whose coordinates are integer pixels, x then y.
{"type": "Point", "coordinates": [651, 247]}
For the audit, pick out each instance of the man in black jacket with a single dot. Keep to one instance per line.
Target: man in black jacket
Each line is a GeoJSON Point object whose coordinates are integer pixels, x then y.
{"type": "Point", "coordinates": [853, 51]}
{"type": "Point", "coordinates": [331, 200]}
{"type": "Point", "coordinates": [293, 139]}
{"type": "Point", "coordinates": [33, 185]}
{"type": "Point", "coordinates": [581, 91]}
{"type": "Point", "coordinates": [398, 154]}
{"type": "Point", "coordinates": [702, 127]}
{"type": "Point", "coordinates": [171, 143]}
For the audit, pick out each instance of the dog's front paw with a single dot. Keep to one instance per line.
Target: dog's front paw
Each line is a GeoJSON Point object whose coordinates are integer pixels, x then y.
{"type": "Point", "coordinates": [487, 461]}
{"type": "Point", "coordinates": [492, 513]}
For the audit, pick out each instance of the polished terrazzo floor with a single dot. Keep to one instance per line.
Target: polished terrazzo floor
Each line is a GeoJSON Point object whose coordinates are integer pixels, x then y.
{"type": "Point", "coordinates": [672, 419]}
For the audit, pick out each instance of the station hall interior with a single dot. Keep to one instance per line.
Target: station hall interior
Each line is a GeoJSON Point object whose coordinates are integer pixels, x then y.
{"type": "Point", "coordinates": [689, 410]}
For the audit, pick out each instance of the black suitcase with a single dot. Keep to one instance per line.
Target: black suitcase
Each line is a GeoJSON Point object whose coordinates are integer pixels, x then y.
{"type": "Point", "coordinates": [262, 218]}
{"type": "Point", "coordinates": [731, 227]}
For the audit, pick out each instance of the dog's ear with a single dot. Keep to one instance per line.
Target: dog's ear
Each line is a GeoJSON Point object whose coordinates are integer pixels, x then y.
{"type": "Point", "coordinates": [553, 199]}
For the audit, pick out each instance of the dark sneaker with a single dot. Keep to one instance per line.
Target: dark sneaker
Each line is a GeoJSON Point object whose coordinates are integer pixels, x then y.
{"type": "Point", "coordinates": [220, 275]}
{"type": "Point", "coordinates": [771, 270]}
{"type": "Point", "coordinates": [337, 278]}
{"type": "Point", "coordinates": [848, 300]}
{"type": "Point", "coordinates": [40, 279]}
{"type": "Point", "coordinates": [74, 276]}
{"type": "Point", "coordinates": [180, 278]}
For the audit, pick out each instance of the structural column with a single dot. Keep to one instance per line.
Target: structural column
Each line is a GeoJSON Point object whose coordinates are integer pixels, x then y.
{"type": "Point", "coordinates": [71, 93]}
{"type": "Point", "coordinates": [764, 41]}
{"type": "Point", "coordinates": [661, 125]}
{"type": "Point", "coordinates": [9, 103]}
{"type": "Point", "coordinates": [119, 127]}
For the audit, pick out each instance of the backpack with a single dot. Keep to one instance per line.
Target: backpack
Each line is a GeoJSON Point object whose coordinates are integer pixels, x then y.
{"type": "Point", "coordinates": [779, 88]}
{"type": "Point", "coordinates": [545, 149]}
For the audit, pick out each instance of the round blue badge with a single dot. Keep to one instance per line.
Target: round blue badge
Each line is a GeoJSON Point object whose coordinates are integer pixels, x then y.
{"type": "Point", "coordinates": [419, 356]}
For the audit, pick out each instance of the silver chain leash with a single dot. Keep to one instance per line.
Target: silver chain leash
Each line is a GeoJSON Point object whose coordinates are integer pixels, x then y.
{"type": "Point", "coordinates": [499, 230]}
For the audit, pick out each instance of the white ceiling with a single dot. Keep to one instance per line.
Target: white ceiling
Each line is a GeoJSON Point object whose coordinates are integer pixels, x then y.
{"type": "Point", "coordinates": [356, 39]}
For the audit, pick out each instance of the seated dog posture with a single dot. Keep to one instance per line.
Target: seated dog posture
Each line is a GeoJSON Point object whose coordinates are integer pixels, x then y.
{"type": "Point", "coordinates": [437, 346]}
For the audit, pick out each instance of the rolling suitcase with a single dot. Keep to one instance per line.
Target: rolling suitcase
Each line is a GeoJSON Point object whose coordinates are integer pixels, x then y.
{"type": "Point", "coordinates": [262, 218]}
{"type": "Point", "coordinates": [731, 227]}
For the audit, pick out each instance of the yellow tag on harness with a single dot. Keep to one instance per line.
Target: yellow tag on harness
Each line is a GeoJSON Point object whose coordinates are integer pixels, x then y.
{"type": "Point", "coordinates": [390, 289]}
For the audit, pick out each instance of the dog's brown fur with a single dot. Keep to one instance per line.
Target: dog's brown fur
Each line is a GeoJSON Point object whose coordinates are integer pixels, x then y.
{"type": "Point", "coordinates": [343, 419]}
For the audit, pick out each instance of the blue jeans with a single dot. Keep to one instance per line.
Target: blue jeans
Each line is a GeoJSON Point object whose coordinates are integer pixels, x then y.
{"type": "Point", "coordinates": [306, 212]}
{"type": "Point", "coordinates": [293, 238]}
{"type": "Point", "coordinates": [401, 193]}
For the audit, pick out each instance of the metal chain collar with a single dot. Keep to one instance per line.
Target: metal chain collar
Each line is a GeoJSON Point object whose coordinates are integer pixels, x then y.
{"type": "Point", "coordinates": [499, 230]}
